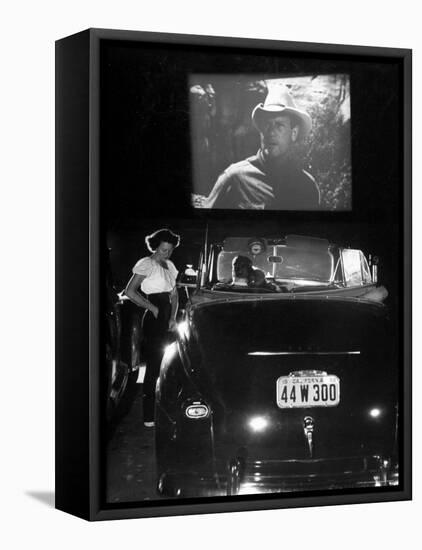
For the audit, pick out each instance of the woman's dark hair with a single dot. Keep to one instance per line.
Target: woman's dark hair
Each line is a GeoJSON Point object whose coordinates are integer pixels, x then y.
{"type": "Point", "coordinates": [154, 240]}
{"type": "Point", "coordinates": [242, 266]}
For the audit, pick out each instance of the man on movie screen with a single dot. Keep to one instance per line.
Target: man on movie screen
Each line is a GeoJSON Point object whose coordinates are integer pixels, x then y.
{"type": "Point", "coordinates": [271, 179]}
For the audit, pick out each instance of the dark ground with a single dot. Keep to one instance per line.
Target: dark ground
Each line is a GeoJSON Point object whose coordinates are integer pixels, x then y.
{"type": "Point", "coordinates": [131, 474]}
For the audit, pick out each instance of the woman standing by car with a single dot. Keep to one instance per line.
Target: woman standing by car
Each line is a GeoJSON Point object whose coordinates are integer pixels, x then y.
{"type": "Point", "coordinates": [155, 276]}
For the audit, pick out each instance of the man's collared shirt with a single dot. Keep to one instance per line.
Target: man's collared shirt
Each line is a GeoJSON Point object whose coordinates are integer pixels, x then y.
{"type": "Point", "coordinates": [255, 184]}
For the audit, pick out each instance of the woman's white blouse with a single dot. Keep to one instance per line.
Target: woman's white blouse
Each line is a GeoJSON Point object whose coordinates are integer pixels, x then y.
{"type": "Point", "coordinates": [157, 279]}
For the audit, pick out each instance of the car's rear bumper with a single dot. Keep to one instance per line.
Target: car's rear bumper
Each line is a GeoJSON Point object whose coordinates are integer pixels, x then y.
{"type": "Point", "coordinates": [280, 476]}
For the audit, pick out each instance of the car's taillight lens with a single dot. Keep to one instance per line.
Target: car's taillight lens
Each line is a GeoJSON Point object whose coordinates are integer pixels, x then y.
{"type": "Point", "coordinates": [197, 410]}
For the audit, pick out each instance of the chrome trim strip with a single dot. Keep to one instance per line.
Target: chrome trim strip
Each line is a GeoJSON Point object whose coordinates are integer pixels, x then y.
{"type": "Point", "coordinates": [264, 353]}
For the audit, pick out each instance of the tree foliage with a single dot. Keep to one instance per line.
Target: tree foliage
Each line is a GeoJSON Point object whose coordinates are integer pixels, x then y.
{"type": "Point", "coordinates": [327, 152]}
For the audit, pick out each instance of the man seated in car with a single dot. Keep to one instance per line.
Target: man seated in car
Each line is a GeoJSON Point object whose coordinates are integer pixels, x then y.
{"type": "Point", "coordinates": [258, 280]}
{"type": "Point", "coordinates": [241, 274]}
{"type": "Point", "coordinates": [246, 276]}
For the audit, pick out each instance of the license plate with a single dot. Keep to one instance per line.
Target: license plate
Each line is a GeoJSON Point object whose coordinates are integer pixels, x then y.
{"type": "Point", "coordinates": [313, 391]}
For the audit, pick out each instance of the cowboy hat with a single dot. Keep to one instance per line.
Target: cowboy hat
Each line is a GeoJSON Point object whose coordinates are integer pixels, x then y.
{"type": "Point", "coordinates": [280, 102]}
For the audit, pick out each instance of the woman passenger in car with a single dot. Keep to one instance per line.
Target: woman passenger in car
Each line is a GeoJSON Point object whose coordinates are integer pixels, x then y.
{"type": "Point", "coordinates": [153, 287]}
{"type": "Point", "coordinates": [241, 271]}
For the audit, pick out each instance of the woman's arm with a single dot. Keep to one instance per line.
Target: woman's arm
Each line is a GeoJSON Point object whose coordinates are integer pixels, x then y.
{"type": "Point", "coordinates": [134, 295]}
{"type": "Point", "coordinates": [174, 300]}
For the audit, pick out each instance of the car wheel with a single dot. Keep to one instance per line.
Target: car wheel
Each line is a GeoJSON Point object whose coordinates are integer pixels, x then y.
{"type": "Point", "coordinates": [165, 447]}
{"type": "Point", "coordinates": [167, 454]}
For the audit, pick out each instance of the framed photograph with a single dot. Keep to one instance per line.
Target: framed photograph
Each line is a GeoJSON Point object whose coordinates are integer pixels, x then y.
{"type": "Point", "coordinates": [233, 274]}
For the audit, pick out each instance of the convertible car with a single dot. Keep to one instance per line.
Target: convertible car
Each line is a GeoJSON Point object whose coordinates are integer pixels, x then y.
{"type": "Point", "coordinates": [291, 386]}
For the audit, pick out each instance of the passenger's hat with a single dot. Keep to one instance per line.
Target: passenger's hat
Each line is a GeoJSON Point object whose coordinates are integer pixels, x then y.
{"type": "Point", "coordinates": [280, 102]}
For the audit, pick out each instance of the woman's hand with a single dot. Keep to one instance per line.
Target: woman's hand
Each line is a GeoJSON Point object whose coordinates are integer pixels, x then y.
{"type": "Point", "coordinates": [154, 310]}
{"type": "Point", "coordinates": [172, 325]}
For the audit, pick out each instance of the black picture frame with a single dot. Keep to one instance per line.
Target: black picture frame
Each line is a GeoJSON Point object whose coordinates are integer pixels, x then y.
{"type": "Point", "coordinates": [80, 216]}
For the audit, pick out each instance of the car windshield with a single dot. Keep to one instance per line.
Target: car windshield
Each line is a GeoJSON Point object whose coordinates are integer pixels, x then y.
{"type": "Point", "coordinates": [282, 263]}
{"type": "Point", "coordinates": [308, 265]}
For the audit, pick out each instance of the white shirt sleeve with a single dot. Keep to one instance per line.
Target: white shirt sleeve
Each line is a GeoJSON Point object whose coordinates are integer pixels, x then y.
{"type": "Point", "coordinates": [143, 267]}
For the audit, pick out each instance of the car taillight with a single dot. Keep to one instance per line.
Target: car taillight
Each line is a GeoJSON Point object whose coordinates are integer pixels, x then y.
{"type": "Point", "coordinates": [197, 410]}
